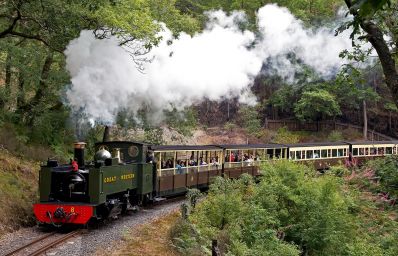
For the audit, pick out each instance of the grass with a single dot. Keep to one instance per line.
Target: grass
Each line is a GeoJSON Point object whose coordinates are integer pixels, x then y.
{"type": "Point", "coordinates": [148, 239]}
{"type": "Point", "coordinates": [18, 191]}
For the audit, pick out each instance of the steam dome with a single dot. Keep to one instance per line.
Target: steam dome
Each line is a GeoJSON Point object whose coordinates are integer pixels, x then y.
{"type": "Point", "coordinates": [102, 154]}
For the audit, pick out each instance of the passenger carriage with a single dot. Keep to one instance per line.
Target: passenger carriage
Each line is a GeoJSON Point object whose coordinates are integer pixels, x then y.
{"type": "Point", "coordinates": [366, 150]}
{"type": "Point", "coordinates": [181, 167]}
{"type": "Point", "coordinates": [320, 155]}
{"type": "Point", "coordinates": [239, 159]}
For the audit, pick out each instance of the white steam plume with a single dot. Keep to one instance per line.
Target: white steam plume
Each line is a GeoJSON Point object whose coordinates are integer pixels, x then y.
{"type": "Point", "coordinates": [216, 63]}
{"type": "Point", "coordinates": [283, 34]}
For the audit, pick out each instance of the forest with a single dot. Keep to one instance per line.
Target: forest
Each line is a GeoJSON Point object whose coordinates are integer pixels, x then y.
{"type": "Point", "coordinates": [35, 79]}
{"type": "Point", "coordinates": [158, 71]}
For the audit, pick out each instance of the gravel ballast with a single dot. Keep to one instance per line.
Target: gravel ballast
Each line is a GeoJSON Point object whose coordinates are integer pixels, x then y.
{"type": "Point", "coordinates": [91, 241]}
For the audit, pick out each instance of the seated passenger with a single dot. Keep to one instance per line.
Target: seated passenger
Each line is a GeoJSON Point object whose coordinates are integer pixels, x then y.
{"type": "Point", "coordinates": [169, 164]}
{"type": "Point", "coordinates": [250, 161]}
{"type": "Point", "coordinates": [150, 157]}
{"type": "Point", "coordinates": [179, 167]}
{"type": "Point", "coordinates": [316, 155]}
{"type": "Point", "coordinates": [214, 161]}
{"type": "Point", "coordinates": [232, 157]}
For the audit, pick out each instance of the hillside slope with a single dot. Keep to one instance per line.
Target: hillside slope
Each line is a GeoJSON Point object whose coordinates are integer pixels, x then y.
{"type": "Point", "coordinates": [18, 191]}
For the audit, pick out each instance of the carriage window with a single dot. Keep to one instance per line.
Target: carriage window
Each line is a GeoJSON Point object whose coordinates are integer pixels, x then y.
{"type": "Point", "coordinates": [340, 152]}
{"type": "Point", "coordinates": [260, 154]}
{"type": "Point", "coordinates": [278, 153]}
{"type": "Point", "coordinates": [309, 154]}
{"type": "Point", "coordinates": [292, 155]}
{"type": "Point", "coordinates": [213, 159]}
{"type": "Point", "coordinates": [182, 157]}
{"type": "Point", "coordinates": [283, 155]}
{"type": "Point", "coordinates": [167, 160]}
{"type": "Point", "coordinates": [362, 152]}
{"type": "Point", "coordinates": [270, 152]}
{"type": "Point", "coordinates": [193, 158]}
{"type": "Point", "coordinates": [355, 151]}
{"type": "Point", "coordinates": [334, 152]}
{"type": "Point", "coordinates": [388, 150]}
{"type": "Point", "coordinates": [380, 151]}
{"type": "Point", "coordinates": [298, 154]}
{"type": "Point", "coordinates": [317, 153]}
{"type": "Point", "coordinates": [324, 153]}
{"type": "Point", "coordinates": [373, 151]}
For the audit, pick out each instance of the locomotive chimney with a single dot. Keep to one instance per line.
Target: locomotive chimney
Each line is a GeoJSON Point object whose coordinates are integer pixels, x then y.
{"type": "Point", "coordinates": [79, 153]}
{"type": "Point", "coordinates": [107, 134]}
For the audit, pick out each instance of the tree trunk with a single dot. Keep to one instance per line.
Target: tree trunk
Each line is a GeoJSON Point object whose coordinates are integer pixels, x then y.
{"type": "Point", "coordinates": [389, 122]}
{"type": "Point", "coordinates": [228, 110]}
{"type": "Point", "coordinates": [375, 37]}
{"type": "Point", "coordinates": [21, 93]}
{"type": "Point", "coordinates": [43, 87]}
{"type": "Point", "coordinates": [365, 120]}
{"type": "Point", "coordinates": [7, 79]}
{"type": "Point", "coordinates": [30, 107]}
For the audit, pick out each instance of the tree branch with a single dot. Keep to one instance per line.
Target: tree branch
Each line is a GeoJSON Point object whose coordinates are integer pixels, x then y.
{"type": "Point", "coordinates": [12, 26]}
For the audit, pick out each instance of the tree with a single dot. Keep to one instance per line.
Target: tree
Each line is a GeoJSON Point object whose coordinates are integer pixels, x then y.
{"type": "Point", "coordinates": [316, 104]}
{"type": "Point", "coordinates": [353, 88]}
{"type": "Point", "coordinates": [34, 35]}
{"type": "Point", "coordinates": [391, 108]}
{"type": "Point", "coordinates": [249, 119]}
{"type": "Point", "coordinates": [369, 18]}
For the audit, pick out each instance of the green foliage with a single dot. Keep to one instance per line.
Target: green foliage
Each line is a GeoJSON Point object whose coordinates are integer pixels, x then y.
{"type": "Point", "coordinates": [229, 126]}
{"type": "Point", "coordinates": [182, 121]}
{"type": "Point", "coordinates": [94, 135]}
{"type": "Point", "coordinates": [352, 86]}
{"type": "Point", "coordinates": [335, 136]}
{"type": "Point", "coordinates": [32, 61]}
{"type": "Point", "coordinates": [165, 11]}
{"type": "Point", "coordinates": [291, 211]}
{"type": "Point", "coordinates": [386, 172]}
{"type": "Point", "coordinates": [283, 97]}
{"type": "Point", "coordinates": [368, 8]}
{"type": "Point", "coordinates": [250, 120]}
{"type": "Point", "coordinates": [284, 136]}
{"type": "Point", "coordinates": [315, 104]}
{"type": "Point", "coordinates": [153, 135]}
{"type": "Point", "coordinates": [193, 196]}
{"type": "Point", "coordinates": [186, 239]}
{"type": "Point", "coordinates": [338, 170]}
{"type": "Point", "coordinates": [308, 11]}
{"type": "Point", "coordinates": [18, 191]}
{"type": "Point", "coordinates": [391, 107]}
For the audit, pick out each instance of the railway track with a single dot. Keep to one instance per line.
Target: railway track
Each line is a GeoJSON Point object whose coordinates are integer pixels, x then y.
{"type": "Point", "coordinates": [40, 246]}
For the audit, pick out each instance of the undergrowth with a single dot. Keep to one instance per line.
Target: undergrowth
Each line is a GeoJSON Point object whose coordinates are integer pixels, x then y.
{"type": "Point", "coordinates": [18, 192]}
{"type": "Point", "coordinates": [294, 211]}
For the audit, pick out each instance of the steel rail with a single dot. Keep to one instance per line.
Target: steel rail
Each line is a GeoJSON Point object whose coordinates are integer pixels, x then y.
{"type": "Point", "coordinates": [30, 244]}
{"type": "Point", "coordinates": [54, 243]}
{"type": "Point", "coordinates": [45, 247]}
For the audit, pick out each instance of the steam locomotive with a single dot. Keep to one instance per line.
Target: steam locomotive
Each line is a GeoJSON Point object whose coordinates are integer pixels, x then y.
{"type": "Point", "coordinates": [138, 173]}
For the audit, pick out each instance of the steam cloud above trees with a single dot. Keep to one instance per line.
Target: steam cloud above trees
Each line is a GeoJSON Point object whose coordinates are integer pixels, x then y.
{"type": "Point", "coordinates": [220, 62]}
